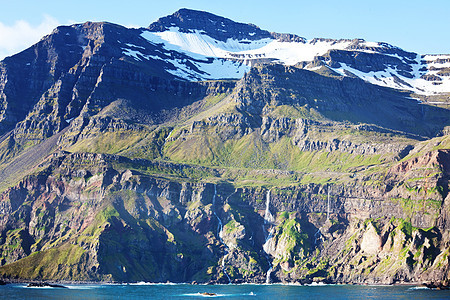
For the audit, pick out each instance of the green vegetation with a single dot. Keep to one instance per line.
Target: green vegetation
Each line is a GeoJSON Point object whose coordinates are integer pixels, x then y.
{"type": "Point", "coordinates": [405, 227]}
{"type": "Point", "coordinates": [231, 227]}
{"type": "Point", "coordinates": [108, 142]}
{"type": "Point", "coordinates": [423, 205]}
{"type": "Point", "coordinates": [253, 153]}
{"type": "Point", "coordinates": [57, 263]}
{"type": "Point", "coordinates": [295, 112]}
{"type": "Point", "coordinates": [437, 143]}
{"type": "Point", "coordinates": [295, 241]}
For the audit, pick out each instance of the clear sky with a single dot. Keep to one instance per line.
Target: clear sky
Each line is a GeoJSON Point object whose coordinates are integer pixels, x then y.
{"type": "Point", "coordinates": [418, 26]}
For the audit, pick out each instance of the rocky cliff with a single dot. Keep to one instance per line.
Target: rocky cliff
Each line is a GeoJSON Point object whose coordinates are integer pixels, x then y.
{"type": "Point", "coordinates": [122, 163]}
{"type": "Point", "coordinates": [103, 217]}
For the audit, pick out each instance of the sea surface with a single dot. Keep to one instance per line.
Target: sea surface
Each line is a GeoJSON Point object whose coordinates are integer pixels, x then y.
{"type": "Point", "coordinates": [244, 291]}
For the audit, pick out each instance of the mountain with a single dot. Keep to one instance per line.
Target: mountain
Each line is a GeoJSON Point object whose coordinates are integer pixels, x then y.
{"type": "Point", "coordinates": [202, 149]}
{"type": "Point", "coordinates": [208, 35]}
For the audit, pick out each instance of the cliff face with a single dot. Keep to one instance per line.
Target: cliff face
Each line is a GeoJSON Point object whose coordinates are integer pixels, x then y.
{"type": "Point", "coordinates": [336, 98]}
{"type": "Point", "coordinates": [85, 217]}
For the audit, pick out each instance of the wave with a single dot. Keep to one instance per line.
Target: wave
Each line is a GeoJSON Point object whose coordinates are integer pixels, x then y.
{"type": "Point", "coordinates": [213, 295]}
{"type": "Point", "coordinates": [154, 283]}
{"type": "Point", "coordinates": [418, 288]}
{"type": "Point", "coordinates": [318, 284]}
{"type": "Point", "coordinates": [83, 287]}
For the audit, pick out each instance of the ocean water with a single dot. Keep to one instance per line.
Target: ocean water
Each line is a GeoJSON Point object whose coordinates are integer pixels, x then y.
{"type": "Point", "coordinates": [244, 291]}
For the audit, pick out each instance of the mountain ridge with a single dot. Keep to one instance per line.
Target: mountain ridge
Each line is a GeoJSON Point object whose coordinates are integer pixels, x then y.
{"type": "Point", "coordinates": [212, 58]}
{"type": "Point", "coordinates": [415, 79]}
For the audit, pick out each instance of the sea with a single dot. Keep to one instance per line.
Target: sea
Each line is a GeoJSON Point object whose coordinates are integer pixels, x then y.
{"type": "Point", "coordinates": [242, 291]}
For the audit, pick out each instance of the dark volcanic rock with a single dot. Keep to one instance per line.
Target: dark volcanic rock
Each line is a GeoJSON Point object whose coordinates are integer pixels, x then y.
{"type": "Point", "coordinates": [340, 99]}
{"type": "Point", "coordinates": [367, 62]}
{"type": "Point", "coordinates": [219, 28]}
{"type": "Point", "coordinates": [45, 284]}
{"type": "Point", "coordinates": [214, 26]}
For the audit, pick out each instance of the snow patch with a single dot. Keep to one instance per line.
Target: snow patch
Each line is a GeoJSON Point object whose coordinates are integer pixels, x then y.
{"type": "Point", "coordinates": [371, 44]}
{"type": "Point", "coordinates": [134, 46]}
{"type": "Point", "coordinates": [434, 57]}
{"type": "Point", "coordinates": [214, 69]}
{"type": "Point", "coordinates": [133, 54]}
{"type": "Point", "coordinates": [202, 44]}
{"type": "Point", "coordinates": [231, 58]}
{"type": "Point", "coordinates": [288, 53]}
{"type": "Point", "coordinates": [390, 78]}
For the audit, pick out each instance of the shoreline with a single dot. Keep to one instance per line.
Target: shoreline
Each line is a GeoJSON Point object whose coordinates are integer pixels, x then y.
{"type": "Point", "coordinates": [70, 282]}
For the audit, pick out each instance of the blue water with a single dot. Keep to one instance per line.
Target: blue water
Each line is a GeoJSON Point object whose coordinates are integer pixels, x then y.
{"type": "Point", "coordinates": [245, 291]}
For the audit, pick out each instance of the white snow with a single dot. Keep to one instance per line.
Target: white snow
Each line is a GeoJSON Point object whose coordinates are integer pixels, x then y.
{"type": "Point", "coordinates": [433, 57]}
{"type": "Point", "coordinates": [232, 58]}
{"type": "Point", "coordinates": [134, 46]}
{"type": "Point", "coordinates": [313, 68]}
{"type": "Point", "coordinates": [132, 53]}
{"type": "Point", "coordinates": [370, 44]}
{"type": "Point", "coordinates": [291, 53]}
{"type": "Point", "coordinates": [386, 78]}
{"type": "Point", "coordinates": [288, 53]}
{"type": "Point", "coordinates": [217, 69]}
{"type": "Point", "coordinates": [211, 66]}
{"type": "Point", "coordinates": [198, 43]}
{"type": "Point", "coordinates": [439, 65]}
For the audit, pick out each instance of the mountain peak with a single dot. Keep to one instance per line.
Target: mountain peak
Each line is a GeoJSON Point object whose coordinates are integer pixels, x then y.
{"type": "Point", "coordinates": [219, 28]}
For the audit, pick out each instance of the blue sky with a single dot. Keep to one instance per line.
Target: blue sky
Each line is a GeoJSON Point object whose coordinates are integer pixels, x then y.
{"type": "Point", "coordinates": [418, 26]}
